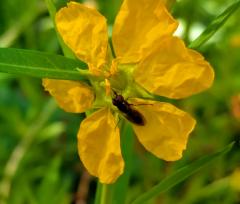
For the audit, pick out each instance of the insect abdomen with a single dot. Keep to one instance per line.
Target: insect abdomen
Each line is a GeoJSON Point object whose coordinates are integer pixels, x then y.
{"type": "Point", "coordinates": [135, 117]}
{"type": "Point", "coordinates": [129, 113]}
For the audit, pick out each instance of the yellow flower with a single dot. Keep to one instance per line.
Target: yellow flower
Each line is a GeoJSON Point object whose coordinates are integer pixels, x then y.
{"type": "Point", "coordinates": [235, 180]}
{"type": "Point", "coordinates": [148, 58]}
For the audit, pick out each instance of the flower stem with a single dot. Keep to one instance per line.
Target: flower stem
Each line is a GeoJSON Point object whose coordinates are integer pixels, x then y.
{"type": "Point", "coordinates": [127, 146]}
{"type": "Point", "coordinates": [105, 194]}
{"type": "Point", "coordinates": [117, 192]}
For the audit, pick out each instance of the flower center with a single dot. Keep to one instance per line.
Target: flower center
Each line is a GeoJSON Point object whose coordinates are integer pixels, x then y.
{"type": "Point", "coordinates": [118, 78]}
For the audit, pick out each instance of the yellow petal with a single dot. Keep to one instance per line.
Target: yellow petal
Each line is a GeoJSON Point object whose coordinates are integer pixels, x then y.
{"type": "Point", "coordinates": [235, 180]}
{"type": "Point", "coordinates": [84, 30]}
{"type": "Point", "coordinates": [99, 146]}
{"type": "Point", "coordinates": [166, 129]}
{"type": "Point", "coordinates": [71, 96]}
{"type": "Point", "coordinates": [174, 71]}
{"type": "Point", "coordinates": [138, 27]}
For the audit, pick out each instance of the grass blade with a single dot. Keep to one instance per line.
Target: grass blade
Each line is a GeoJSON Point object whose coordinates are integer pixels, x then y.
{"type": "Point", "coordinates": [217, 23]}
{"type": "Point", "coordinates": [180, 175]}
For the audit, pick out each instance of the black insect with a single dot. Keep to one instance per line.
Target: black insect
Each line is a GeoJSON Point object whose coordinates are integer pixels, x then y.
{"type": "Point", "coordinates": [127, 110]}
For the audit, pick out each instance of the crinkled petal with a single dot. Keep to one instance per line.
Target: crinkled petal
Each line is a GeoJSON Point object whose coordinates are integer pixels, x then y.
{"type": "Point", "coordinates": [71, 96]}
{"type": "Point", "coordinates": [166, 129]}
{"type": "Point", "coordinates": [138, 27]}
{"type": "Point", "coordinates": [99, 146]}
{"type": "Point", "coordinates": [84, 30]}
{"type": "Point", "coordinates": [174, 71]}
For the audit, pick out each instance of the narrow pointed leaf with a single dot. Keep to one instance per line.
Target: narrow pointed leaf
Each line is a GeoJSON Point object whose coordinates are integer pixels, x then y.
{"type": "Point", "coordinates": [40, 64]}
{"type": "Point", "coordinates": [180, 176]}
{"type": "Point", "coordinates": [214, 26]}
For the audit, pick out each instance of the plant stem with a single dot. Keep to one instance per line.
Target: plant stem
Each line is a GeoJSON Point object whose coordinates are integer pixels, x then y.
{"type": "Point", "coordinates": [127, 146]}
{"type": "Point", "coordinates": [105, 194]}
{"type": "Point", "coordinates": [98, 193]}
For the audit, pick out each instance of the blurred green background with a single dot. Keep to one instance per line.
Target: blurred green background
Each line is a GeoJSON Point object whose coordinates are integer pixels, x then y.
{"type": "Point", "coordinates": [39, 163]}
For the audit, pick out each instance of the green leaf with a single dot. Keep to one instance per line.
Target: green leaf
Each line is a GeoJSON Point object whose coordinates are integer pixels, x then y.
{"type": "Point", "coordinates": [214, 26]}
{"type": "Point", "coordinates": [40, 64]}
{"type": "Point", "coordinates": [180, 176]}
